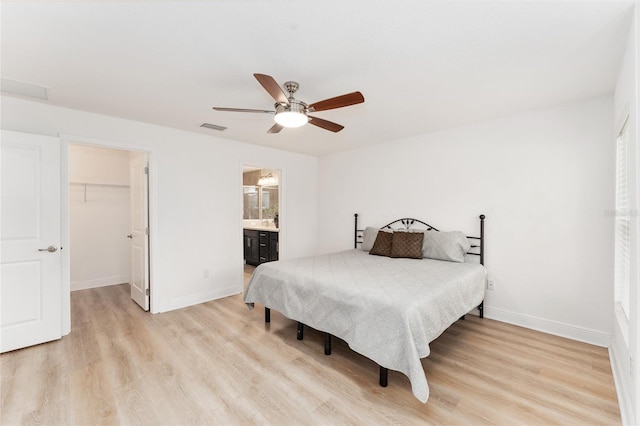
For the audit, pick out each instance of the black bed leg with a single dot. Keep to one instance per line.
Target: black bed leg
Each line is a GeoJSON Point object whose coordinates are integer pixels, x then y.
{"type": "Point", "coordinates": [384, 376]}
{"type": "Point", "coordinates": [481, 309]}
{"type": "Point", "coordinates": [327, 344]}
{"type": "Point", "coordinates": [267, 314]}
{"type": "Point", "coordinates": [300, 335]}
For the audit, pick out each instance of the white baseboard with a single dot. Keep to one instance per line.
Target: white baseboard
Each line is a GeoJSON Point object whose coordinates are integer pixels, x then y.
{"type": "Point", "coordinates": [624, 400]}
{"type": "Point", "coordinates": [580, 334]}
{"type": "Point", "coordinates": [194, 299]}
{"type": "Point", "coordinates": [99, 282]}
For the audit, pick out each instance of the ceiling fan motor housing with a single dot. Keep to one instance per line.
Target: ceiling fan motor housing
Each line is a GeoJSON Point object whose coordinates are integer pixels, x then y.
{"type": "Point", "coordinates": [294, 106]}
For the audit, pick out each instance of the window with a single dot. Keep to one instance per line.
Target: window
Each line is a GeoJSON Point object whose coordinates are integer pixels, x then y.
{"type": "Point", "coordinates": [622, 221]}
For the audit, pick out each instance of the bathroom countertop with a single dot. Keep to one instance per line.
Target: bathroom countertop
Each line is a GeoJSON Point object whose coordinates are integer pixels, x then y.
{"type": "Point", "coordinates": [262, 228]}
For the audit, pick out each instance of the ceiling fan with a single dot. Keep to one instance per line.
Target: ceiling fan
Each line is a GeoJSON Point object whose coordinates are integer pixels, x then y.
{"type": "Point", "coordinates": [290, 112]}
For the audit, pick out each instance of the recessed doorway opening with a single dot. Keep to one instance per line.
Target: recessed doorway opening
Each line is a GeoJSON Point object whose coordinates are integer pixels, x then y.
{"type": "Point", "coordinates": [109, 219]}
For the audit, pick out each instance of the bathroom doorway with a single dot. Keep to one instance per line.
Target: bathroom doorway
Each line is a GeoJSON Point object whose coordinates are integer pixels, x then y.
{"type": "Point", "coordinates": [261, 198]}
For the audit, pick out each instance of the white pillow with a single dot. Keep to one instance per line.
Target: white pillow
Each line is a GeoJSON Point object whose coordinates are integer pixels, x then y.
{"type": "Point", "coordinates": [369, 237]}
{"type": "Point", "coordinates": [451, 246]}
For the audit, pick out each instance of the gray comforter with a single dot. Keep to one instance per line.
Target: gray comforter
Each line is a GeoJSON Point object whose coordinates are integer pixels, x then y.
{"type": "Point", "coordinates": [388, 310]}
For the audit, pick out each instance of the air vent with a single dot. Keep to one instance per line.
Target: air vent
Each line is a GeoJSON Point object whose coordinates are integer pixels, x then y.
{"type": "Point", "coordinates": [24, 89]}
{"type": "Point", "coordinates": [213, 126]}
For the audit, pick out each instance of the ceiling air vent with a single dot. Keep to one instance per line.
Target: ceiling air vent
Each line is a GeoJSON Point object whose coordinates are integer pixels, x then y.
{"type": "Point", "coordinates": [23, 89]}
{"type": "Point", "coordinates": [213, 126]}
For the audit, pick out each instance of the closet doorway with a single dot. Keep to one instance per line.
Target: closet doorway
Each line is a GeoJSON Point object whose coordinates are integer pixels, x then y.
{"type": "Point", "coordinates": [109, 219]}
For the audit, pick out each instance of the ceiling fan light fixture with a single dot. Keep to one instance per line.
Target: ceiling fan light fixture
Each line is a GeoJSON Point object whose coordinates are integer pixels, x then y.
{"type": "Point", "coordinates": [291, 119]}
{"type": "Point", "coordinates": [293, 115]}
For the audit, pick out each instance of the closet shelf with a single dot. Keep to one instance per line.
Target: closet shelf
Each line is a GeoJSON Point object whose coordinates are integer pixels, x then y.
{"type": "Point", "coordinates": [103, 185]}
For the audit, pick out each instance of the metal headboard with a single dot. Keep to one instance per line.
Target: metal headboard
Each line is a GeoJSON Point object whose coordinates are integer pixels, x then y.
{"type": "Point", "coordinates": [407, 224]}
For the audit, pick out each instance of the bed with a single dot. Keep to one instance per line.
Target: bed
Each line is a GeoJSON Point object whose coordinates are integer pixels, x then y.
{"type": "Point", "coordinates": [386, 308]}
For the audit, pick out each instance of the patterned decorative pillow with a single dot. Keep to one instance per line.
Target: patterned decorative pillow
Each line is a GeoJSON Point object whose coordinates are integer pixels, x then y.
{"type": "Point", "coordinates": [451, 246]}
{"type": "Point", "coordinates": [407, 244]}
{"type": "Point", "coordinates": [382, 245]}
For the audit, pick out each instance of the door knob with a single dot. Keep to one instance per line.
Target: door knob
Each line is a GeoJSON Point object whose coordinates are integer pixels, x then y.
{"type": "Point", "coordinates": [50, 249]}
{"type": "Point", "coordinates": [130, 236]}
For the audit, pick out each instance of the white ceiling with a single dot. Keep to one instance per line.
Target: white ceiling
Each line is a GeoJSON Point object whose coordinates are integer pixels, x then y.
{"type": "Point", "coordinates": [421, 65]}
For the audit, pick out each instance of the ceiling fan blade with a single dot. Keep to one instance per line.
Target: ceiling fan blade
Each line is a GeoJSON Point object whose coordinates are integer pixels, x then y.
{"type": "Point", "coordinates": [325, 124]}
{"type": "Point", "coordinates": [243, 110]}
{"type": "Point", "coordinates": [271, 86]}
{"type": "Point", "coordinates": [275, 128]}
{"type": "Point", "coordinates": [338, 102]}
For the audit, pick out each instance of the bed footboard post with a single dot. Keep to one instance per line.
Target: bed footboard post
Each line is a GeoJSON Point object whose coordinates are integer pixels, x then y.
{"type": "Point", "coordinates": [355, 231]}
{"type": "Point", "coordinates": [482, 217]}
{"type": "Point", "coordinates": [300, 334]}
{"type": "Point", "coordinates": [267, 314]}
{"type": "Point", "coordinates": [384, 376]}
{"type": "Point", "coordinates": [327, 344]}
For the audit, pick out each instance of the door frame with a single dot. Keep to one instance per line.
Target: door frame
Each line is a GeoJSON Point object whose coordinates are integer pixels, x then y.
{"type": "Point", "coordinates": [65, 140]}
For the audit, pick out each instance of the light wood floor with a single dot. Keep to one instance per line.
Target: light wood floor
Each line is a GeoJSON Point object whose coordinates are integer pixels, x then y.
{"type": "Point", "coordinates": [218, 363]}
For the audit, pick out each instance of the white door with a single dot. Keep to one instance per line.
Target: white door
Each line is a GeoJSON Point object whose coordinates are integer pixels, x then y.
{"type": "Point", "coordinates": [139, 279]}
{"type": "Point", "coordinates": [30, 259]}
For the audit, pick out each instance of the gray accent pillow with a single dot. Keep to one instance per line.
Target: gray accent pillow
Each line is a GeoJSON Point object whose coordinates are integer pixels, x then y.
{"type": "Point", "coordinates": [368, 238]}
{"type": "Point", "coordinates": [451, 246]}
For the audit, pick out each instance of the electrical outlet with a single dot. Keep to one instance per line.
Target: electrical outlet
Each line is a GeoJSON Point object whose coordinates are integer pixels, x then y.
{"type": "Point", "coordinates": [205, 273]}
{"type": "Point", "coordinates": [491, 285]}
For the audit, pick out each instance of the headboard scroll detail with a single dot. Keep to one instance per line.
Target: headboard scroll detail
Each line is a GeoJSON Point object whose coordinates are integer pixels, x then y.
{"type": "Point", "coordinates": [407, 224]}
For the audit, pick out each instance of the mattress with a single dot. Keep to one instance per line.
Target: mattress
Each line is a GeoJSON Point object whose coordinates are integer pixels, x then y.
{"type": "Point", "coordinates": [386, 309]}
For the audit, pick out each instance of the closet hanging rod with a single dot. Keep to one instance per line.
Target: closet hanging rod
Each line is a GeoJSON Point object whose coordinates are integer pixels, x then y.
{"type": "Point", "coordinates": [104, 185]}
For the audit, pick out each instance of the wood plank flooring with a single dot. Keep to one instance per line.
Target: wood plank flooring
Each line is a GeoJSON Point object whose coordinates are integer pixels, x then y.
{"type": "Point", "coordinates": [218, 363]}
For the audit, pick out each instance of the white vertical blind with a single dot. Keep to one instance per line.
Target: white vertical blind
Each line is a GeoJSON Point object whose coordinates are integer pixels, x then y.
{"type": "Point", "coordinates": [622, 221]}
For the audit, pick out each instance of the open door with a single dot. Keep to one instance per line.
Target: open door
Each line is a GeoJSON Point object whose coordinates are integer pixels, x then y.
{"type": "Point", "coordinates": [31, 263]}
{"type": "Point", "coordinates": [139, 190]}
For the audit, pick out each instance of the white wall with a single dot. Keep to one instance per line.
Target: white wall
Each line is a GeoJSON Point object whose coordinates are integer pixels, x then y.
{"type": "Point", "coordinates": [626, 101]}
{"type": "Point", "coordinates": [99, 216]}
{"type": "Point", "coordinates": [197, 183]}
{"type": "Point", "coordinates": [91, 164]}
{"type": "Point", "coordinates": [544, 179]}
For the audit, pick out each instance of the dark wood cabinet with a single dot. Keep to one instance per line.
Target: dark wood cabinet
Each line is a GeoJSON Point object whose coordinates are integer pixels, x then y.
{"type": "Point", "coordinates": [273, 245]}
{"type": "Point", "coordinates": [260, 246]}
{"type": "Point", "coordinates": [251, 247]}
